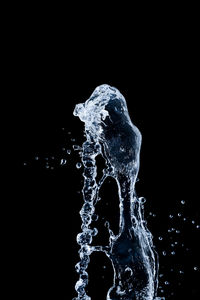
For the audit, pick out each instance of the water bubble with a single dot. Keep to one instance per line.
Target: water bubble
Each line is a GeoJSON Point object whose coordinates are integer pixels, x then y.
{"type": "Point", "coordinates": [172, 245]}
{"type": "Point", "coordinates": [160, 238]}
{"type": "Point", "coordinates": [68, 151]}
{"type": "Point", "coordinates": [179, 214]}
{"type": "Point", "coordinates": [25, 164]}
{"type": "Point", "coordinates": [63, 161]}
{"type": "Point", "coordinates": [36, 157]}
{"type": "Point", "coordinates": [195, 268]}
{"type": "Point", "coordinates": [173, 253]}
{"type": "Point", "coordinates": [154, 215]}
{"type": "Point", "coordinates": [164, 253]}
{"type": "Point", "coordinates": [184, 219]}
{"type": "Point", "coordinates": [177, 231]}
{"type": "Point", "coordinates": [166, 282]}
{"type": "Point", "coordinates": [69, 132]}
{"type": "Point", "coordinates": [198, 226]}
{"type": "Point", "coordinates": [171, 216]}
{"type": "Point", "coordinates": [78, 165]}
{"type": "Point", "coordinates": [183, 202]}
{"type": "Point", "coordinates": [73, 140]}
{"type": "Point", "coordinates": [193, 222]}
{"type": "Point", "coordinates": [161, 275]}
{"type": "Point", "coordinates": [47, 166]}
{"type": "Point", "coordinates": [181, 272]}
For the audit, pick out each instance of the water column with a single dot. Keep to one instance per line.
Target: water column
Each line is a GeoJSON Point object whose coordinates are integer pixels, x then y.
{"type": "Point", "coordinates": [110, 132]}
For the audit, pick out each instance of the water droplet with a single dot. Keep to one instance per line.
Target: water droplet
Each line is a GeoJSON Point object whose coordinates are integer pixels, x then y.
{"type": "Point", "coordinates": [161, 275]}
{"type": "Point", "coordinates": [160, 238]}
{"type": "Point", "coordinates": [184, 219]}
{"type": "Point", "coordinates": [63, 161]}
{"type": "Point", "coordinates": [36, 158]}
{"type": "Point", "coordinates": [94, 231]}
{"type": "Point", "coordinates": [107, 224]}
{"type": "Point", "coordinates": [181, 272]}
{"type": "Point", "coordinates": [193, 222]}
{"type": "Point", "coordinates": [177, 231]}
{"type": "Point", "coordinates": [69, 132]}
{"type": "Point", "coordinates": [95, 217]}
{"type": "Point", "coordinates": [179, 215]}
{"type": "Point", "coordinates": [68, 151]}
{"type": "Point", "coordinates": [154, 215]}
{"type": "Point", "coordinates": [78, 165]}
{"type": "Point", "coordinates": [25, 164]}
{"type": "Point", "coordinates": [166, 282]}
{"type": "Point", "coordinates": [164, 253]}
{"type": "Point", "coordinates": [198, 226]}
{"type": "Point", "coordinates": [183, 202]}
{"type": "Point", "coordinates": [171, 216]}
{"type": "Point", "coordinates": [47, 166]}
{"type": "Point", "coordinates": [76, 147]}
{"type": "Point", "coordinates": [195, 268]}
{"type": "Point", "coordinates": [142, 200]}
{"type": "Point", "coordinates": [172, 245]}
{"type": "Point", "coordinates": [73, 140]}
{"type": "Point", "coordinates": [173, 253]}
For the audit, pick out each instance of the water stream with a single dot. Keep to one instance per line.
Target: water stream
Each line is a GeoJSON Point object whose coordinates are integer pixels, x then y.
{"type": "Point", "coordinates": [111, 133]}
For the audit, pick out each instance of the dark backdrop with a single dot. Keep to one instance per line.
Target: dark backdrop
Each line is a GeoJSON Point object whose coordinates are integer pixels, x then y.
{"type": "Point", "coordinates": [51, 69]}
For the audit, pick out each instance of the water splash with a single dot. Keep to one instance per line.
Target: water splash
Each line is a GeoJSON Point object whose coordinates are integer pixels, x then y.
{"type": "Point", "coordinates": [110, 133]}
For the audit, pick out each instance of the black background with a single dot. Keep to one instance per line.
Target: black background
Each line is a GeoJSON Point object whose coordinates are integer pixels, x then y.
{"type": "Point", "coordinates": [55, 62]}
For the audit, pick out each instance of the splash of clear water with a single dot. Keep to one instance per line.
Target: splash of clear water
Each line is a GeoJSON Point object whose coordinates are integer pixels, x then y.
{"type": "Point", "coordinates": [110, 133]}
